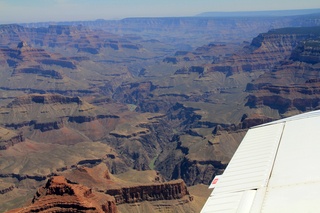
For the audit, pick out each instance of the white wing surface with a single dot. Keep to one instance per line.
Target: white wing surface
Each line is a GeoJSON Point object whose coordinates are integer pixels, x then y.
{"type": "Point", "coordinates": [275, 169]}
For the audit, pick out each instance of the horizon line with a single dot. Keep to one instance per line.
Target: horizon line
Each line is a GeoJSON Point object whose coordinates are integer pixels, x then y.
{"type": "Point", "coordinates": [208, 14]}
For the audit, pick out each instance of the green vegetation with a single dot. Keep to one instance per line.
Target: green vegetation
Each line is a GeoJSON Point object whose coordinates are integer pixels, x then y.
{"type": "Point", "coordinates": [151, 164]}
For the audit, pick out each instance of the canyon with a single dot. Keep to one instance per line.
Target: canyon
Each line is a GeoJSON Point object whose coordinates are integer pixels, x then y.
{"type": "Point", "coordinates": [140, 114]}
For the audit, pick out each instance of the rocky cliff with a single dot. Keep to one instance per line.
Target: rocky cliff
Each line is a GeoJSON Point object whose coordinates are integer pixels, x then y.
{"type": "Point", "coordinates": [106, 192]}
{"type": "Point", "coordinates": [164, 191]}
{"type": "Point", "coordinates": [132, 187]}
{"type": "Point", "coordinates": [9, 138]}
{"type": "Point", "coordinates": [70, 60]}
{"type": "Point", "coordinates": [41, 71]}
{"type": "Point", "coordinates": [61, 195]}
{"type": "Point", "coordinates": [292, 85]}
{"type": "Point", "coordinates": [265, 51]}
{"type": "Point", "coordinates": [198, 29]}
{"type": "Point", "coordinates": [307, 51]}
{"type": "Point", "coordinates": [78, 37]}
{"type": "Point", "coordinates": [45, 99]}
{"type": "Point", "coordinates": [25, 54]}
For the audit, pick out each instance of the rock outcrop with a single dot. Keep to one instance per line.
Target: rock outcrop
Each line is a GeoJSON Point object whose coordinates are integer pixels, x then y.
{"type": "Point", "coordinates": [38, 71]}
{"type": "Point", "coordinates": [292, 85]}
{"type": "Point", "coordinates": [55, 118]}
{"type": "Point", "coordinates": [44, 99]}
{"type": "Point", "coordinates": [6, 190]}
{"type": "Point", "coordinates": [105, 191]}
{"type": "Point", "coordinates": [82, 38]}
{"type": "Point", "coordinates": [307, 51]}
{"type": "Point", "coordinates": [61, 195]}
{"type": "Point", "coordinates": [9, 138]}
{"type": "Point", "coordinates": [265, 50]}
{"type": "Point", "coordinates": [151, 188]}
{"type": "Point", "coordinates": [253, 120]}
{"type": "Point", "coordinates": [158, 191]}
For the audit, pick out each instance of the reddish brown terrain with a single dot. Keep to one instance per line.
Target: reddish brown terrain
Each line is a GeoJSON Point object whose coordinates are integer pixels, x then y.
{"type": "Point", "coordinates": [106, 192]}
{"type": "Point", "coordinates": [61, 195]}
{"type": "Point", "coordinates": [141, 121]}
{"type": "Point", "coordinates": [293, 85]}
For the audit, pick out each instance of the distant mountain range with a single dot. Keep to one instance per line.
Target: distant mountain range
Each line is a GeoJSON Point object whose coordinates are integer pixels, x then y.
{"type": "Point", "coordinates": [191, 32]}
{"type": "Point", "coordinates": [260, 13]}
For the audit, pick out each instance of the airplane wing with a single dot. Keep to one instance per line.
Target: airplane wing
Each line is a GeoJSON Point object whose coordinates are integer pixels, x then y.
{"type": "Point", "coordinates": [275, 169]}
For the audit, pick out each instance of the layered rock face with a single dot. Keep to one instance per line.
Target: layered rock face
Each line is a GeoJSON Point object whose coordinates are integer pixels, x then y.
{"type": "Point", "coordinates": [24, 55]}
{"type": "Point", "coordinates": [81, 38]}
{"type": "Point", "coordinates": [45, 99]}
{"type": "Point", "coordinates": [62, 120]}
{"type": "Point", "coordinates": [9, 138]}
{"type": "Point", "coordinates": [105, 193]}
{"type": "Point", "coordinates": [265, 51]}
{"type": "Point", "coordinates": [41, 71]}
{"type": "Point", "coordinates": [69, 132]}
{"type": "Point", "coordinates": [199, 29]}
{"type": "Point", "coordinates": [58, 59]}
{"type": "Point", "coordinates": [164, 191]}
{"type": "Point", "coordinates": [60, 195]}
{"type": "Point", "coordinates": [46, 112]}
{"type": "Point", "coordinates": [307, 51]}
{"type": "Point", "coordinates": [293, 85]}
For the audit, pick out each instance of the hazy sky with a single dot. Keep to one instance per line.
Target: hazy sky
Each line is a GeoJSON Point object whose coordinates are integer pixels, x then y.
{"type": "Point", "coordinates": [17, 11]}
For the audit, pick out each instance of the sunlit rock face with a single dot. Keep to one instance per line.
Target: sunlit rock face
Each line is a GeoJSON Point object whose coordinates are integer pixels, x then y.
{"type": "Point", "coordinates": [61, 195]}
{"type": "Point", "coordinates": [292, 85]}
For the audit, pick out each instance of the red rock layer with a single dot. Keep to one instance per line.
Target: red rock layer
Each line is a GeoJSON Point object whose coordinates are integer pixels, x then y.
{"type": "Point", "coordinates": [293, 85]}
{"type": "Point", "coordinates": [61, 195]}
{"type": "Point", "coordinates": [162, 191]}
